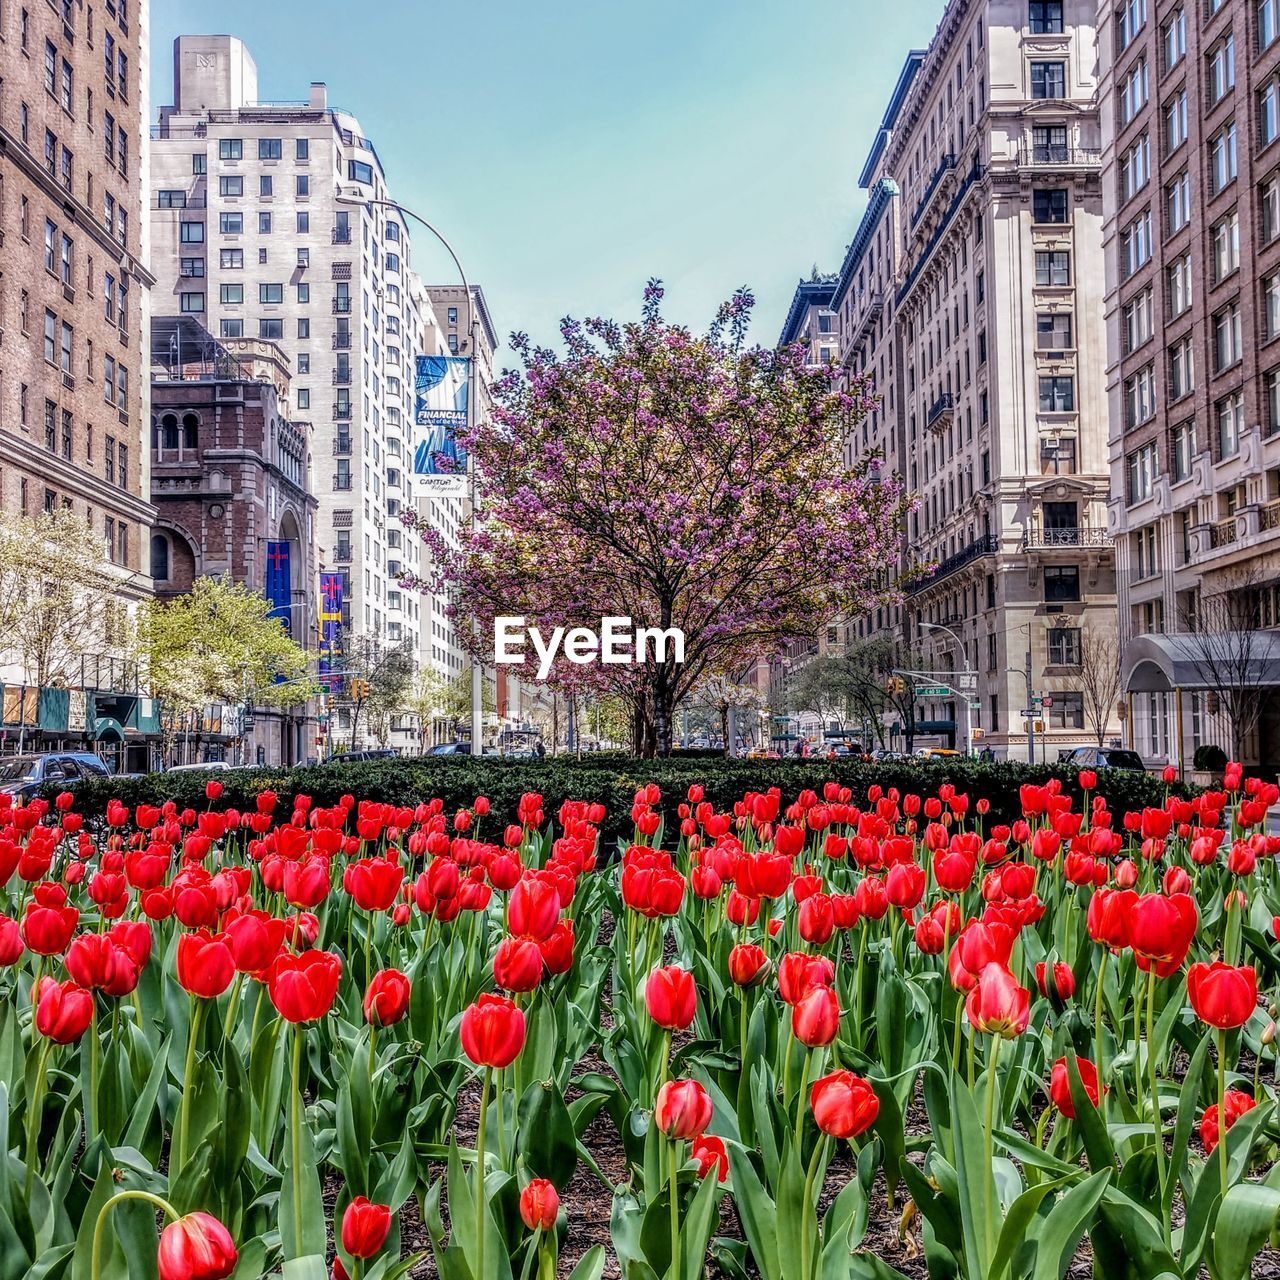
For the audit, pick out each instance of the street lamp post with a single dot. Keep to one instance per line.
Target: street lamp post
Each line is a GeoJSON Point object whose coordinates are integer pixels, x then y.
{"type": "Point", "coordinates": [477, 671]}
{"type": "Point", "coordinates": [968, 671]}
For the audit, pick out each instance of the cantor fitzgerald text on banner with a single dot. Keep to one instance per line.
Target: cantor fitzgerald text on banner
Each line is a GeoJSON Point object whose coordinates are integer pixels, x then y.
{"type": "Point", "coordinates": [440, 412]}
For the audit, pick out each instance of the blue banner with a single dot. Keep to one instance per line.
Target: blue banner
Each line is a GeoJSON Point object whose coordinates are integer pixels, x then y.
{"type": "Point", "coordinates": [331, 592]}
{"type": "Point", "coordinates": [280, 583]}
{"type": "Point", "coordinates": [440, 405]}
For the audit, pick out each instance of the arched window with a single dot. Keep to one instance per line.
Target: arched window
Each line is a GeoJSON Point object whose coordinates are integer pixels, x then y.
{"type": "Point", "coordinates": [159, 557]}
{"type": "Point", "coordinates": [190, 430]}
{"type": "Point", "coordinates": [170, 424]}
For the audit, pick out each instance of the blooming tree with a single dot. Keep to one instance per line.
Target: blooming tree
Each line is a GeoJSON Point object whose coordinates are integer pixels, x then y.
{"type": "Point", "coordinates": [683, 480]}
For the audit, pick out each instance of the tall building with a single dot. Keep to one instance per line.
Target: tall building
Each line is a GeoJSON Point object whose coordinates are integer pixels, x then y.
{"type": "Point", "coordinates": [972, 293]}
{"type": "Point", "coordinates": [231, 482]}
{"type": "Point", "coordinates": [73, 278]}
{"type": "Point", "coordinates": [1191, 187]}
{"type": "Point", "coordinates": [266, 224]}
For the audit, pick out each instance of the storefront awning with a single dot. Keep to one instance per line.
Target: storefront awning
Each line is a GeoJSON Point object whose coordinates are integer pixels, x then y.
{"type": "Point", "coordinates": [107, 727]}
{"type": "Point", "coordinates": [1201, 660]}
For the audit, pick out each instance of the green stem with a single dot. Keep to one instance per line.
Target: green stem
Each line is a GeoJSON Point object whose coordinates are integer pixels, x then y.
{"type": "Point", "coordinates": [674, 1145]}
{"type": "Point", "coordinates": [993, 1059]}
{"type": "Point", "coordinates": [800, 1105]}
{"type": "Point", "coordinates": [33, 1116]}
{"type": "Point", "coordinates": [188, 1071]}
{"type": "Point", "coordinates": [481, 1208]}
{"type": "Point", "coordinates": [1097, 1019]}
{"type": "Point", "coordinates": [295, 1133]}
{"type": "Point", "coordinates": [233, 1006]}
{"type": "Point", "coordinates": [373, 1054]}
{"type": "Point", "coordinates": [809, 1210]}
{"type": "Point", "coordinates": [95, 1267]}
{"type": "Point", "coordinates": [91, 1110]}
{"type": "Point", "coordinates": [1222, 1109]}
{"type": "Point", "coordinates": [1157, 1121]}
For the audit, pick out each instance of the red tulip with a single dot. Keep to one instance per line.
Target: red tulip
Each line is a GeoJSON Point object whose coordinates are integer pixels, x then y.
{"type": "Point", "coordinates": [709, 1151]}
{"type": "Point", "coordinates": [844, 1105]}
{"type": "Point", "coordinates": [671, 997]}
{"type": "Point", "coordinates": [683, 1109]}
{"type": "Point", "coordinates": [11, 944]}
{"type": "Point", "coordinates": [1223, 995]}
{"type": "Point", "coordinates": [1056, 982]}
{"type": "Point", "coordinates": [517, 964]}
{"type": "Point", "coordinates": [1161, 931]}
{"type": "Point", "coordinates": [255, 939]}
{"type": "Point", "coordinates": [365, 1227]}
{"type": "Point", "coordinates": [1060, 1085]}
{"type": "Point", "coordinates": [557, 950]}
{"type": "Point", "coordinates": [63, 1010]}
{"type": "Point", "coordinates": [204, 963]}
{"type": "Point", "coordinates": [539, 1205]}
{"type": "Point", "coordinates": [196, 1247]}
{"type": "Point", "coordinates": [97, 961]}
{"type": "Point", "coordinates": [815, 1020]}
{"type": "Point", "coordinates": [492, 1031]}
{"type": "Point", "coordinates": [1211, 1132]}
{"type": "Point", "coordinates": [533, 909]}
{"type": "Point", "coordinates": [373, 883]}
{"type": "Point", "coordinates": [303, 987]}
{"type": "Point", "coordinates": [387, 999]}
{"type": "Point", "coordinates": [799, 973]}
{"type": "Point", "coordinates": [748, 964]}
{"type": "Point", "coordinates": [47, 930]}
{"type": "Point", "coordinates": [998, 1005]}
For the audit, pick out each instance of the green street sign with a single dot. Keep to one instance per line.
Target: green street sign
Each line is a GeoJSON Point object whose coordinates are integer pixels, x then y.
{"type": "Point", "coordinates": [932, 691]}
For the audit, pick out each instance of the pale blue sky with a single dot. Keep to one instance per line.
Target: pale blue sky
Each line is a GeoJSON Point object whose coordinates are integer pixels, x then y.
{"type": "Point", "coordinates": [572, 148]}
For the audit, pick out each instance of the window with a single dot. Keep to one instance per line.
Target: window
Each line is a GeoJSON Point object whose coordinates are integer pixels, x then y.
{"type": "Point", "coordinates": [231, 259]}
{"type": "Point", "coordinates": [230, 149]}
{"type": "Point", "coordinates": [1178, 285]}
{"type": "Point", "coordinates": [271, 294]}
{"type": "Point", "coordinates": [1133, 91]}
{"type": "Point", "coordinates": [192, 302]}
{"type": "Point", "coordinates": [264, 224]}
{"type": "Point", "coordinates": [1140, 397]}
{"type": "Point", "coordinates": [1273, 401]}
{"type": "Point", "coordinates": [1057, 394]}
{"type": "Point", "coordinates": [1226, 246]}
{"type": "Point", "coordinates": [171, 199]}
{"type": "Point", "coordinates": [1135, 244]}
{"type": "Point", "coordinates": [231, 224]}
{"type": "Point", "coordinates": [191, 232]}
{"type": "Point", "coordinates": [232, 328]}
{"type": "Point", "coordinates": [1182, 370]}
{"type": "Point", "coordinates": [304, 292]}
{"type": "Point", "coordinates": [1064, 647]}
{"type": "Point", "coordinates": [303, 224]}
{"type": "Point", "coordinates": [393, 262]}
{"type": "Point", "coordinates": [1045, 17]}
{"type": "Point", "coordinates": [304, 362]}
{"type": "Point", "coordinates": [199, 163]}
{"type": "Point", "coordinates": [1061, 583]}
{"type": "Point", "coordinates": [231, 295]}
{"type": "Point", "coordinates": [304, 328]}
{"type": "Point", "coordinates": [1053, 267]}
{"type": "Point", "coordinates": [273, 329]}
{"type": "Point", "coordinates": [1227, 346]}
{"type": "Point", "coordinates": [269, 149]}
{"type": "Point", "coordinates": [1142, 468]}
{"type": "Point", "coordinates": [192, 267]}
{"type": "Point", "coordinates": [1267, 28]}
{"type": "Point", "coordinates": [1229, 412]}
{"type": "Point", "coordinates": [231, 185]}
{"type": "Point", "coordinates": [50, 337]}
{"type": "Point", "coordinates": [1048, 79]}
{"type": "Point", "coordinates": [1222, 158]}
{"type": "Point", "coordinates": [304, 398]}
{"type": "Point", "coordinates": [1269, 113]}
{"type": "Point", "coordinates": [1135, 168]}
{"type": "Point", "coordinates": [1049, 204]}
{"type": "Point", "coordinates": [302, 185]}
{"type": "Point", "coordinates": [1174, 38]}
{"type": "Point", "coordinates": [358, 171]}
{"type": "Point", "coordinates": [1053, 331]}
{"type": "Point", "coordinates": [1182, 444]}
{"type": "Point", "coordinates": [302, 149]}
{"type": "Point", "coordinates": [1175, 121]}
{"type": "Point", "coordinates": [1271, 305]}
{"type": "Point", "coordinates": [1048, 144]}
{"type": "Point", "coordinates": [1137, 318]}
{"type": "Point", "coordinates": [265, 185]}
{"type": "Point", "coordinates": [1067, 710]}
{"type": "Point", "coordinates": [1129, 21]}
{"type": "Point", "coordinates": [1177, 199]}
{"type": "Point", "coordinates": [1222, 69]}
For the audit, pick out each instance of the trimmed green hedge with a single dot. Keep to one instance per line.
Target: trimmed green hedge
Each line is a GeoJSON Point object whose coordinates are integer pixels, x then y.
{"type": "Point", "coordinates": [457, 780]}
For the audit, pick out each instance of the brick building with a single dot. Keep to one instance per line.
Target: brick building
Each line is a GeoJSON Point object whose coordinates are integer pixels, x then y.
{"type": "Point", "coordinates": [231, 482]}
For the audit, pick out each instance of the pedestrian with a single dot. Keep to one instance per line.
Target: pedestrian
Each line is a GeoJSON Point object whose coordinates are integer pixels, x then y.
{"type": "Point", "coordinates": [538, 749]}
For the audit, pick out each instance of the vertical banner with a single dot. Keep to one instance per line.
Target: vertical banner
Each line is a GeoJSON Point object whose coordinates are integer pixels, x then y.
{"type": "Point", "coordinates": [280, 582]}
{"type": "Point", "coordinates": [440, 407]}
{"type": "Point", "coordinates": [331, 590]}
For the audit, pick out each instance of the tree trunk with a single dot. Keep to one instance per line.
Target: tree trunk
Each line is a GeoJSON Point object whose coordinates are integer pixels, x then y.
{"type": "Point", "coordinates": [662, 716]}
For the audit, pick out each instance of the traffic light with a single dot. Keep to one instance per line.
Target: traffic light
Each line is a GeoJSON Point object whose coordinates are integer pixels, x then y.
{"type": "Point", "coordinates": [896, 685]}
{"type": "Point", "coordinates": [359, 689]}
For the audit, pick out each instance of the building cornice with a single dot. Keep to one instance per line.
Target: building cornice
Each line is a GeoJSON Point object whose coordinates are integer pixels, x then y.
{"type": "Point", "coordinates": [905, 77]}
{"type": "Point", "coordinates": [809, 293]}
{"type": "Point", "coordinates": [70, 480]}
{"type": "Point", "coordinates": [881, 194]}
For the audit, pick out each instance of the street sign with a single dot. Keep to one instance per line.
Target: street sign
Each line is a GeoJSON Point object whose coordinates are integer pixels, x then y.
{"type": "Point", "coordinates": [1047, 700]}
{"type": "Point", "coordinates": [932, 691]}
{"type": "Point", "coordinates": [975, 706]}
{"type": "Point", "coordinates": [967, 682]}
{"type": "Point", "coordinates": [1030, 713]}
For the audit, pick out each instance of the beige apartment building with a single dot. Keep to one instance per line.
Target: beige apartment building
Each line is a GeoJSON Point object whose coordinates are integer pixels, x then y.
{"type": "Point", "coordinates": [972, 292]}
{"type": "Point", "coordinates": [1191, 192]}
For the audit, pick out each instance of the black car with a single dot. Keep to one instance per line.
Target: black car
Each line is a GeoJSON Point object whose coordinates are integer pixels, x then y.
{"type": "Point", "coordinates": [1105, 758]}
{"type": "Point", "coordinates": [378, 753]}
{"type": "Point", "coordinates": [22, 776]}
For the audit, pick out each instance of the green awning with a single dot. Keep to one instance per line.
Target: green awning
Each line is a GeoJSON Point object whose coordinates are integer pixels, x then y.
{"type": "Point", "coordinates": [107, 727]}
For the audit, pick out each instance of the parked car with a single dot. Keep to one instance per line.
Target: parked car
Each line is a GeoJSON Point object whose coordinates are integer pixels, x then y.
{"type": "Point", "coordinates": [201, 766]}
{"type": "Point", "coordinates": [373, 753]}
{"type": "Point", "coordinates": [1105, 758]}
{"type": "Point", "coordinates": [23, 776]}
{"type": "Point", "coordinates": [936, 753]}
{"type": "Point", "coordinates": [450, 749]}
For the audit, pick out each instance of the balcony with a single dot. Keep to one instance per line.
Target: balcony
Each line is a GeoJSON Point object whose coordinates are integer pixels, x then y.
{"type": "Point", "coordinates": [341, 480]}
{"type": "Point", "coordinates": [1059, 155]}
{"type": "Point", "coordinates": [1269, 516]}
{"type": "Point", "coordinates": [342, 410]}
{"type": "Point", "coordinates": [1044, 539]}
{"type": "Point", "coordinates": [1223, 533]}
{"type": "Point", "coordinates": [342, 445]}
{"type": "Point", "coordinates": [342, 342]}
{"type": "Point", "coordinates": [342, 235]}
{"type": "Point", "coordinates": [945, 165]}
{"type": "Point", "coordinates": [342, 377]}
{"type": "Point", "coordinates": [987, 545]}
{"type": "Point", "coordinates": [342, 306]}
{"type": "Point", "coordinates": [342, 555]}
{"type": "Point", "coordinates": [941, 412]}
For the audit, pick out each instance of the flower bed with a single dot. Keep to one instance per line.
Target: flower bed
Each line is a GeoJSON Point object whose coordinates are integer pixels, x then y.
{"type": "Point", "coordinates": [797, 1034]}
